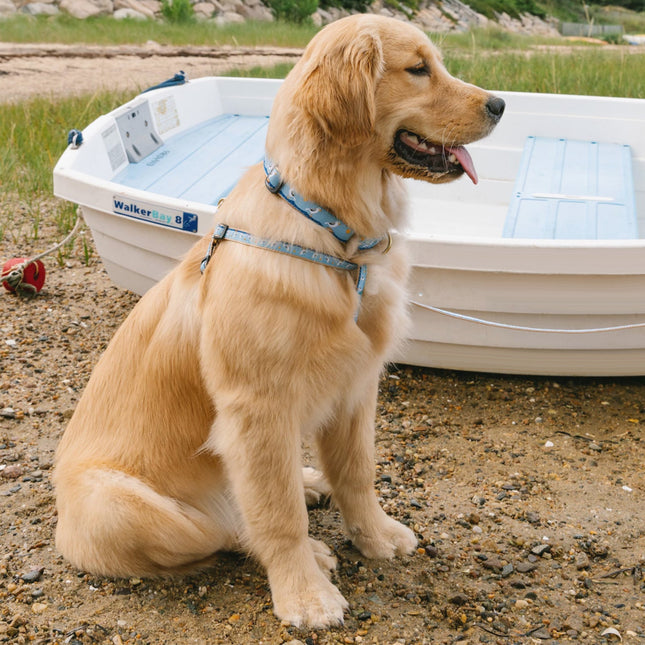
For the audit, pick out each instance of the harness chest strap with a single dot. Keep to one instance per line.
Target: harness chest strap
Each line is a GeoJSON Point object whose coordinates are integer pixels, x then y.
{"type": "Point", "coordinates": [224, 232]}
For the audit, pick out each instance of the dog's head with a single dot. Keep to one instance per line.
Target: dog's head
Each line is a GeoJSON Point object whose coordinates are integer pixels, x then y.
{"type": "Point", "coordinates": [377, 86]}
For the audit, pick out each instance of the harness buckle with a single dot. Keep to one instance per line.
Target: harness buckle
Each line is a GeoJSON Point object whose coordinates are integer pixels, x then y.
{"type": "Point", "coordinates": [388, 245]}
{"type": "Point", "coordinates": [218, 235]}
{"type": "Point", "coordinates": [273, 180]}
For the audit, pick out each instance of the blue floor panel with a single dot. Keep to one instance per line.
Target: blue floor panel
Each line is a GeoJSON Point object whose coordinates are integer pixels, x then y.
{"type": "Point", "coordinates": [203, 163]}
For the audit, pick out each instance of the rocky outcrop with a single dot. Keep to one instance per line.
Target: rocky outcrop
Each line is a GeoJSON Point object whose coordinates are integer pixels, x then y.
{"type": "Point", "coordinates": [437, 16]}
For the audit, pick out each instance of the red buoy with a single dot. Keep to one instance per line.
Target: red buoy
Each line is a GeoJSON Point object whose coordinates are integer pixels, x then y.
{"type": "Point", "coordinates": [25, 280]}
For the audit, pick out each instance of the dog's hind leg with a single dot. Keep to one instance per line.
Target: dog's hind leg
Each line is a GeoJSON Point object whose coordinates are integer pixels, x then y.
{"type": "Point", "coordinates": [112, 523]}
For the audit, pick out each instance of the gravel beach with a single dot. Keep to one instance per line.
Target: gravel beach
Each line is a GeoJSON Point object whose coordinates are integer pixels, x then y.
{"type": "Point", "coordinates": [527, 495]}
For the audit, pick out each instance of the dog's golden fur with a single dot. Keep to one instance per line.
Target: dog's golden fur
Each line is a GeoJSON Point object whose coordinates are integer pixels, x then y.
{"type": "Point", "coordinates": [187, 439]}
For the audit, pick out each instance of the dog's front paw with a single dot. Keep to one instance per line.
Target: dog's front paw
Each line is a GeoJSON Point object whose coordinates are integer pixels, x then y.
{"type": "Point", "coordinates": [316, 604]}
{"type": "Point", "coordinates": [385, 540]}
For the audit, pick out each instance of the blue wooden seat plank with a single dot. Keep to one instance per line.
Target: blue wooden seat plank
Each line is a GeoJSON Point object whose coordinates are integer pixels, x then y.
{"type": "Point", "coordinates": [568, 189]}
{"type": "Point", "coordinates": [202, 163]}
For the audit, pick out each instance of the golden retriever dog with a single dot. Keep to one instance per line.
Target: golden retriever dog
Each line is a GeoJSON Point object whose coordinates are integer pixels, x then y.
{"type": "Point", "coordinates": [188, 438]}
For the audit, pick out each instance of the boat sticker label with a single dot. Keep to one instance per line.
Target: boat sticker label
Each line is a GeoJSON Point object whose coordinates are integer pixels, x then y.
{"type": "Point", "coordinates": [165, 113]}
{"type": "Point", "coordinates": [138, 133]}
{"type": "Point", "coordinates": [155, 214]}
{"type": "Point", "coordinates": [114, 147]}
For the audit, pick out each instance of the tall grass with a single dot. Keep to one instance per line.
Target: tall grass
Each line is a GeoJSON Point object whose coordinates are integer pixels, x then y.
{"type": "Point", "coordinates": [107, 31]}
{"type": "Point", "coordinates": [33, 135]}
{"type": "Point", "coordinates": [586, 71]}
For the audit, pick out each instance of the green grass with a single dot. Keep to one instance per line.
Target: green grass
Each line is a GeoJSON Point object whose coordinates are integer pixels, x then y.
{"type": "Point", "coordinates": [277, 71]}
{"type": "Point", "coordinates": [632, 22]}
{"type": "Point", "coordinates": [107, 31]}
{"type": "Point", "coordinates": [34, 135]}
{"type": "Point", "coordinates": [492, 38]}
{"type": "Point", "coordinates": [588, 71]}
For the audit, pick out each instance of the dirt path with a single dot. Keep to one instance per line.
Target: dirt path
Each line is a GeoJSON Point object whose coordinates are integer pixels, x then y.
{"type": "Point", "coordinates": [61, 70]}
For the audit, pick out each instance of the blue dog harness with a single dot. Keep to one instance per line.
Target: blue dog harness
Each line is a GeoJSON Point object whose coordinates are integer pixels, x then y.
{"type": "Point", "coordinates": [313, 212]}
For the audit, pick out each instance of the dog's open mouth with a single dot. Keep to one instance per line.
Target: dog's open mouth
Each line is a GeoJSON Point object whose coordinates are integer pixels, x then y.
{"type": "Point", "coordinates": [434, 157]}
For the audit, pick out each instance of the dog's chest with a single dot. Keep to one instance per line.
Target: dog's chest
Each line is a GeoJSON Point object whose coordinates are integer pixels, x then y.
{"type": "Point", "coordinates": [382, 316]}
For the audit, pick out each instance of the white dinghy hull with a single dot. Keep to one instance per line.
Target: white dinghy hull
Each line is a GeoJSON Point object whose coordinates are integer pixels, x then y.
{"type": "Point", "coordinates": [467, 266]}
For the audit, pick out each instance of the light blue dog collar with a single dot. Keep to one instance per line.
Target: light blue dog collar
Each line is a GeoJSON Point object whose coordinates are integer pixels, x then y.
{"type": "Point", "coordinates": [311, 210]}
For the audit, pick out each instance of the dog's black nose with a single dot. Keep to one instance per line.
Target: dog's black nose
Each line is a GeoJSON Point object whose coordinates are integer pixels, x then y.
{"type": "Point", "coordinates": [495, 108]}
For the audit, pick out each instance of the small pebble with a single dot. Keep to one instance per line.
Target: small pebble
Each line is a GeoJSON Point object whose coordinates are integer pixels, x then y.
{"type": "Point", "coordinates": [582, 561]}
{"type": "Point", "coordinates": [12, 472]}
{"type": "Point", "coordinates": [540, 549]}
{"type": "Point", "coordinates": [32, 576]}
{"type": "Point", "coordinates": [507, 570]}
{"type": "Point", "coordinates": [526, 567]}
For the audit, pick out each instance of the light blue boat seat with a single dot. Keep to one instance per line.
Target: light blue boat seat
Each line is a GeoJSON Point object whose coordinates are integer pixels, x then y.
{"type": "Point", "coordinates": [203, 163]}
{"type": "Point", "coordinates": [577, 190]}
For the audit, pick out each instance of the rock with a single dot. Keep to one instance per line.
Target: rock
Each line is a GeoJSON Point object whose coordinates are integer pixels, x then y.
{"type": "Point", "coordinates": [459, 600]}
{"type": "Point", "coordinates": [573, 622]}
{"type": "Point", "coordinates": [7, 7]}
{"type": "Point", "coordinates": [40, 9]}
{"type": "Point", "coordinates": [526, 567]}
{"type": "Point", "coordinates": [12, 472]}
{"type": "Point", "coordinates": [582, 561]}
{"type": "Point", "coordinates": [32, 576]}
{"type": "Point", "coordinates": [130, 14]}
{"type": "Point", "coordinates": [540, 549]}
{"type": "Point", "coordinates": [259, 13]}
{"type": "Point", "coordinates": [493, 563]}
{"type": "Point", "coordinates": [228, 18]}
{"type": "Point", "coordinates": [136, 6]}
{"type": "Point", "coordinates": [507, 570]}
{"type": "Point", "coordinates": [39, 607]}
{"type": "Point", "coordinates": [204, 9]}
{"type": "Point", "coordinates": [82, 9]}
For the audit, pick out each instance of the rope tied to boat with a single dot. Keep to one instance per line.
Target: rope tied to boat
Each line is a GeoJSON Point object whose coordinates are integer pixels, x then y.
{"type": "Point", "coordinates": [541, 330]}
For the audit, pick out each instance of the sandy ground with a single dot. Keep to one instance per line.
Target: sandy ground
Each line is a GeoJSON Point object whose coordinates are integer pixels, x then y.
{"type": "Point", "coordinates": [63, 70]}
{"type": "Point", "coordinates": [527, 494]}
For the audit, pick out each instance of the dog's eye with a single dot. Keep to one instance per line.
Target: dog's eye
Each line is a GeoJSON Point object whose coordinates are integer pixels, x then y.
{"type": "Point", "coordinates": [421, 69]}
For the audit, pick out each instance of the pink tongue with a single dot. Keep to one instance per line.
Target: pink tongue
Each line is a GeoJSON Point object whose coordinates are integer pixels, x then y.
{"type": "Point", "coordinates": [466, 161]}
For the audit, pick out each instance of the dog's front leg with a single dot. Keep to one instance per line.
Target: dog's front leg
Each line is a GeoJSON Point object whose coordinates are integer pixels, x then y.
{"type": "Point", "coordinates": [346, 450]}
{"type": "Point", "coordinates": [261, 451]}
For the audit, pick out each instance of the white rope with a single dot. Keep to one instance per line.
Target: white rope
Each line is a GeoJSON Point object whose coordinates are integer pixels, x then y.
{"type": "Point", "coordinates": [541, 330]}
{"type": "Point", "coordinates": [66, 239]}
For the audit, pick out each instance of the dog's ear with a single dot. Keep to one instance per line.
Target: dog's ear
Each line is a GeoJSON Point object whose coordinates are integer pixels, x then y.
{"type": "Point", "coordinates": [338, 88]}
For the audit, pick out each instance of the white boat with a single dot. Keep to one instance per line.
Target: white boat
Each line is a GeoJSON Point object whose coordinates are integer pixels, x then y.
{"type": "Point", "coordinates": [538, 269]}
